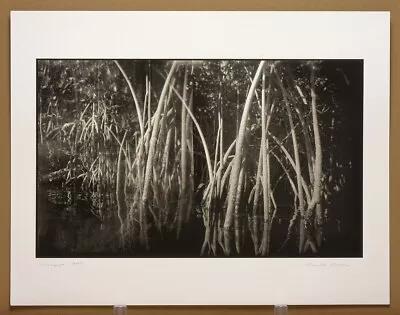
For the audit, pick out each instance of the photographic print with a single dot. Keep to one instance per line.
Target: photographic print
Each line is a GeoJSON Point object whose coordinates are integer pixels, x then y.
{"type": "Point", "coordinates": [173, 155]}
{"type": "Point", "coordinates": [199, 158]}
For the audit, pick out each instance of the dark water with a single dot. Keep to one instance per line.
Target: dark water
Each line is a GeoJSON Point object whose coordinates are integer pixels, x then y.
{"type": "Point", "coordinates": [76, 230]}
{"type": "Point", "coordinates": [68, 228]}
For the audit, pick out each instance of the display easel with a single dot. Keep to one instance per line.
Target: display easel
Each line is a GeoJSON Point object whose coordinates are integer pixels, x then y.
{"type": "Point", "coordinates": [280, 309]}
{"type": "Point", "coordinates": [120, 309]}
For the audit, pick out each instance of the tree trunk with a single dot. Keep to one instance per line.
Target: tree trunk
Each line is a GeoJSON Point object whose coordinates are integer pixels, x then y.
{"type": "Point", "coordinates": [234, 178]}
{"type": "Point", "coordinates": [265, 164]}
{"type": "Point", "coordinates": [316, 196]}
{"type": "Point", "coordinates": [237, 220]}
{"type": "Point", "coordinates": [135, 99]}
{"type": "Point", "coordinates": [189, 128]}
{"type": "Point", "coordinates": [183, 191]}
{"type": "Point", "coordinates": [297, 164]}
{"type": "Point", "coordinates": [255, 204]}
{"type": "Point", "coordinates": [150, 157]}
{"type": "Point", "coordinates": [120, 195]}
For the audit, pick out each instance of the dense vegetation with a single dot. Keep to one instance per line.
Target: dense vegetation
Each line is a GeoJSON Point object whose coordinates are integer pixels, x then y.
{"type": "Point", "coordinates": [253, 158]}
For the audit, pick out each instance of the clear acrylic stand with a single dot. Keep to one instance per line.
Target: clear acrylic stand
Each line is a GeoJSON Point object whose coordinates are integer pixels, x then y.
{"type": "Point", "coordinates": [119, 309]}
{"type": "Point", "coordinates": [281, 309]}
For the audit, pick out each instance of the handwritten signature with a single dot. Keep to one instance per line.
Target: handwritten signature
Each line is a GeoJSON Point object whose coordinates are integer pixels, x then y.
{"type": "Point", "coordinates": [328, 265]}
{"type": "Point", "coordinates": [60, 265]}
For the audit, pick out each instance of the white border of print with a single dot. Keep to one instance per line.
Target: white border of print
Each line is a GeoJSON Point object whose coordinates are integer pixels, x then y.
{"type": "Point", "coordinates": [200, 35]}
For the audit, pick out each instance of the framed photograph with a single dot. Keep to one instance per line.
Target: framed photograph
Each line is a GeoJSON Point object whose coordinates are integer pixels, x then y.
{"type": "Point", "coordinates": [200, 158]}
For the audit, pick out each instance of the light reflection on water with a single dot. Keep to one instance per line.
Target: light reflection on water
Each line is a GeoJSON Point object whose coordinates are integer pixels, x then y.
{"type": "Point", "coordinates": [65, 227]}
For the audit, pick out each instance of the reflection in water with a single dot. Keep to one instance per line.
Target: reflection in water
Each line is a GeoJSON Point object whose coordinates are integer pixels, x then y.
{"type": "Point", "coordinates": [76, 230]}
{"type": "Point", "coordinates": [72, 227]}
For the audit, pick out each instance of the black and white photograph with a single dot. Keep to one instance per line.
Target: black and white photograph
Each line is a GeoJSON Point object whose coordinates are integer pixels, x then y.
{"type": "Point", "coordinates": [199, 158]}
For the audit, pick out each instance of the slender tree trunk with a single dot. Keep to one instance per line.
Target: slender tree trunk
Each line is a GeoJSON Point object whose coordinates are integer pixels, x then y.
{"type": "Point", "coordinates": [189, 128]}
{"type": "Point", "coordinates": [142, 133]}
{"type": "Point", "coordinates": [201, 134]}
{"type": "Point", "coordinates": [297, 164]}
{"type": "Point", "coordinates": [146, 97]}
{"type": "Point", "coordinates": [165, 169]}
{"type": "Point", "coordinates": [237, 220]}
{"type": "Point", "coordinates": [135, 99]}
{"type": "Point", "coordinates": [41, 114]}
{"type": "Point", "coordinates": [316, 196]}
{"type": "Point", "coordinates": [207, 237]}
{"type": "Point", "coordinates": [318, 146]}
{"type": "Point", "coordinates": [265, 164]}
{"type": "Point", "coordinates": [270, 194]}
{"type": "Point", "coordinates": [307, 140]}
{"type": "Point", "coordinates": [255, 204]}
{"type": "Point", "coordinates": [237, 113]}
{"type": "Point", "coordinates": [183, 191]}
{"type": "Point", "coordinates": [149, 97]}
{"type": "Point", "coordinates": [292, 163]}
{"type": "Point", "coordinates": [150, 158]}
{"type": "Point", "coordinates": [221, 141]}
{"type": "Point", "coordinates": [294, 189]}
{"type": "Point", "coordinates": [216, 149]}
{"type": "Point", "coordinates": [121, 202]}
{"type": "Point", "coordinates": [234, 179]}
